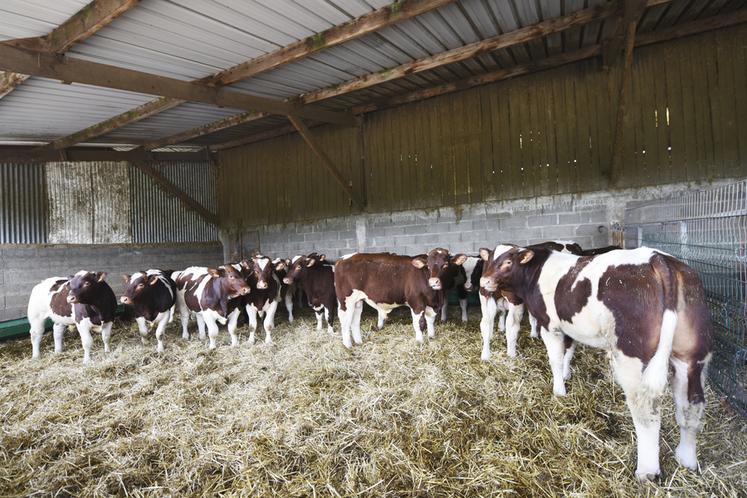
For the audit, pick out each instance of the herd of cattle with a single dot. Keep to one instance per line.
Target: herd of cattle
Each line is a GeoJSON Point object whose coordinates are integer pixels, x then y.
{"type": "Point", "coordinates": [644, 307]}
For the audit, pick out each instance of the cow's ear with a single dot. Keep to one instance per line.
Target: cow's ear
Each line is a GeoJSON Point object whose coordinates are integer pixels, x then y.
{"type": "Point", "coordinates": [100, 276]}
{"type": "Point", "coordinates": [213, 272]}
{"type": "Point", "coordinates": [280, 265]}
{"type": "Point", "coordinates": [484, 253]}
{"type": "Point", "coordinates": [311, 262]}
{"type": "Point", "coordinates": [526, 256]}
{"type": "Point", "coordinates": [322, 257]}
{"type": "Point", "coordinates": [419, 263]}
{"type": "Point", "coordinates": [126, 279]}
{"type": "Point", "coordinates": [153, 280]}
{"type": "Point", "coordinates": [244, 264]}
{"type": "Point", "coordinates": [459, 259]}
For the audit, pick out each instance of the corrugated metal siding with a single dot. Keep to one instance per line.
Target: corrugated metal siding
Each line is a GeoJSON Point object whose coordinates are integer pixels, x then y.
{"type": "Point", "coordinates": [23, 206]}
{"type": "Point", "coordinates": [160, 217]}
{"type": "Point", "coordinates": [280, 180]}
{"type": "Point", "coordinates": [547, 133]}
{"type": "Point", "coordinates": [89, 203]}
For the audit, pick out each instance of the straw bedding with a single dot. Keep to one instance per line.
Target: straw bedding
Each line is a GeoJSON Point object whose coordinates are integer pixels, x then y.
{"type": "Point", "coordinates": [306, 417]}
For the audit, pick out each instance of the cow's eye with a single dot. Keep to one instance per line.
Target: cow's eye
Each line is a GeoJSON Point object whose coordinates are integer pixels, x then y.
{"type": "Point", "coordinates": [446, 265]}
{"type": "Point", "coordinates": [140, 286]}
{"type": "Point", "coordinates": [86, 284]}
{"type": "Point", "coordinates": [231, 276]}
{"type": "Point", "coordinates": [298, 267]}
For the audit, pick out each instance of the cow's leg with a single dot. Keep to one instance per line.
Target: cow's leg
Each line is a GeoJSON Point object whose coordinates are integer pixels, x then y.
{"type": "Point", "coordinates": [513, 324]}
{"type": "Point", "coordinates": [251, 312]}
{"type": "Point", "coordinates": [463, 305]}
{"type": "Point", "coordinates": [288, 300]}
{"type": "Point", "coordinates": [143, 329]}
{"type": "Point", "coordinates": [642, 404]}
{"type": "Point", "coordinates": [381, 319]}
{"type": "Point", "coordinates": [570, 349]}
{"type": "Point", "coordinates": [444, 312]}
{"type": "Point", "coordinates": [346, 320]}
{"type": "Point", "coordinates": [233, 318]}
{"type": "Point", "coordinates": [501, 320]}
{"type": "Point", "coordinates": [416, 325]}
{"type": "Point", "coordinates": [533, 324]}
{"type": "Point", "coordinates": [37, 332]}
{"type": "Point", "coordinates": [184, 317]}
{"type": "Point", "coordinates": [430, 321]}
{"type": "Point", "coordinates": [200, 326]}
{"type": "Point", "coordinates": [58, 330]}
{"type": "Point", "coordinates": [212, 330]}
{"type": "Point", "coordinates": [356, 324]}
{"type": "Point", "coordinates": [489, 310]}
{"type": "Point", "coordinates": [84, 329]}
{"type": "Point", "coordinates": [171, 313]}
{"type": "Point", "coordinates": [330, 317]}
{"type": "Point", "coordinates": [106, 335]}
{"type": "Point", "coordinates": [555, 351]}
{"type": "Point", "coordinates": [687, 388]}
{"type": "Point", "coordinates": [163, 319]}
{"type": "Point", "coordinates": [269, 322]}
{"type": "Point", "coordinates": [318, 311]}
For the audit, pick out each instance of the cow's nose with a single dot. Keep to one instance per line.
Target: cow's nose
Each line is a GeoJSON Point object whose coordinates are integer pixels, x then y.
{"type": "Point", "coordinates": [287, 281]}
{"type": "Point", "coordinates": [245, 291]}
{"type": "Point", "coordinates": [71, 299]}
{"type": "Point", "coordinates": [468, 287]}
{"type": "Point", "coordinates": [435, 283]}
{"type": "Point", "coordinates": [261, 285]}
{"type": "Point", "coordinates": [125, 300]}
{"type": "Point", "coordinates": [485, 282]}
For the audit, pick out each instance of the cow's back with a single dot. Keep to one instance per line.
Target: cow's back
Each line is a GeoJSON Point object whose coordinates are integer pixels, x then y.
{"type": "Point", "coordinates": [383, 277]}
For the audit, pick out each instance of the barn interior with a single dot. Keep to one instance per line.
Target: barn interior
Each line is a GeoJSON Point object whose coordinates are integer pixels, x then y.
{"type": "Point", "coordinates": [142, 134]}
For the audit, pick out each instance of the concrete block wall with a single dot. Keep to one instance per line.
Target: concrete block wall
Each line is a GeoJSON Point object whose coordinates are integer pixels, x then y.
{"type": "Point", "coordinates": [593, 220]}
{"type": "Point", "coordinates": [23, 266]}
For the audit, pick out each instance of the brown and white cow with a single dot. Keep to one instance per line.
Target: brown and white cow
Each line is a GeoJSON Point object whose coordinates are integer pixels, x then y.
{"type": "Point", "coordinates": [316, 277]}
{"type": "Point", "coordinates": [286, 291]}
{"type": "Point", "coordinates": [152, 295]}
{"type": "Point", "coordinates": [84, 300]}
{"type": "Point", "coordinates": [211, 294]}
{"type": "Point", "coordinates": [259, 273]}
{"type": "Point", "coordinates": [646, 308]}
{"type": "Point", "coordinates": [386, 281]}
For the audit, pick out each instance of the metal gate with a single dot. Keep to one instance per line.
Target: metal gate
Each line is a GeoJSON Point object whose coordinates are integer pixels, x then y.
{"type": "Point", "coordinates": [708, 230]}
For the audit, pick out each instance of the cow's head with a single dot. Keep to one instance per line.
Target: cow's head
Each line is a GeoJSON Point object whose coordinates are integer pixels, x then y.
{"type": "Point", "coordinates": [299, 265]}
{"type": "Point", "coordinates": [473, 271]}
{"type": "Point", "coordinates": [137, 285]}
{"type": "Point", "coordinates": [84, 286]}
{"type": "Point", "coordinates": [503, 266]}
{"type": "Point", "coordinates": [231, 281]}
{"type": "Point", "coordinates": [261, 270]}
{"type": "Point", "coordinates": [440, 265]}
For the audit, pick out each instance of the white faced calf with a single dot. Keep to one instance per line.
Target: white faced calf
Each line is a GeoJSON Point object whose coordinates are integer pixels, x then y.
{"type": "Point", "coordinates": [84, 300]}
{"type": "Point", "coordinates": [317, 279]}
{"type": "Point", "coordinates": [259, 273]}
{"type": "Point", "coordinates": [152, 295]}
{"type": "Point", "coordinates": [647, 309]}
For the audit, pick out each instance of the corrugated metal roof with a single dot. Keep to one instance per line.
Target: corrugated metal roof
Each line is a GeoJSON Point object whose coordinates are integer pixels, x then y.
{"type": "Point", "coordinates": [190, 39]}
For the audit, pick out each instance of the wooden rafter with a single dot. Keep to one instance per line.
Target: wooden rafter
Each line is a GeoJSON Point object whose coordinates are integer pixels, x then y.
{"type": "Point", "coordinates": [328, 163]}
{"type": "Point", "coordinates": [622, 103]}
{"type": "Point", "coordinates": [376, 20]}
{"type": "Point", "coordinates": [78, 28]}
{"type": "Point", "coordinates": [509, 39]}
{"type": "Point", "coordinates": [18, 153]}
{"type": "Point", "coordinates": [630, 11]}
{"type": "Point", "coordinates": [678, 31]}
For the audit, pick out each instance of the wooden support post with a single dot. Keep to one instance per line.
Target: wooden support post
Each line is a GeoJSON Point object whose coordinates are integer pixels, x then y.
{"type": "Point", "coordinates": [617, 151]}
{"type": "Point", "coordinates": [312, 143]}
{"type": "Point", "coordinates": [170, 188]}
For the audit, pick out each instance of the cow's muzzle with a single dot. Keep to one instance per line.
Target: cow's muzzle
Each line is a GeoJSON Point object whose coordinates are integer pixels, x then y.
{"type": "Point", "coordinates": [125, 300]}
{"type": "Point", "coordinates": [244, 291]}
{"type": "Point", "coordinates": [72, 299]}
{"type": "Point", "coordinates": [287, 281]}
{"type": "Point", "coordinates": [488, 284]}
{"type": "Point", "coordinates": [435, 283]}
{"type": "Point", "coordinates": [261, 284]}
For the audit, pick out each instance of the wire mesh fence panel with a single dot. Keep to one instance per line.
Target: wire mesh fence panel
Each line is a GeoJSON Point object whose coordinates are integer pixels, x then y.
{"type": "Point", "coordinates": [707, 229]}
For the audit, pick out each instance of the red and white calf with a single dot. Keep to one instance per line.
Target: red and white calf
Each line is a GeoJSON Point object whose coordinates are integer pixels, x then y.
{"type": "Point", "coordinates": [259, 273]}
{"type": "Point", "coordinates": [386, 281]}
{"type": "Point", "coordinates": [211, 294]}
{"type": "Point", "coordinates": [152, 294]}
{"type": "Point", "coordinates": [84, 300]}
{"type": "Point", "coordinates": [287, 291]}
{"type": "Point", "coordinates": [646, 308]}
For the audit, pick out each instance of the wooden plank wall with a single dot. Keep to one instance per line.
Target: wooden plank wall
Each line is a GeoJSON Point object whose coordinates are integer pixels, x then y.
{"type": "Point", "coordinates": [547, 133]}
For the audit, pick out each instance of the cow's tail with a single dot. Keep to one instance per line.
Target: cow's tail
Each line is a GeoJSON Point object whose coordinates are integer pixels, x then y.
{"type": "Point", "coordinates": [656, 372]}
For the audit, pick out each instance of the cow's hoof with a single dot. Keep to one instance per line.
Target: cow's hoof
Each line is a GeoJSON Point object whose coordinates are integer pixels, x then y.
{"type": "Point", "coordinates": [559, 391]}
{"type": "Point", "coordinates": [645, 476]}
{"type": "Point", "coordinates": [686, 458]}
{"type": "Point", "coordinates": [347, 344]}
{"type": "Point", "coordinates": [485, 356]}
{"type": "Point", "coordinates": [512, 355]}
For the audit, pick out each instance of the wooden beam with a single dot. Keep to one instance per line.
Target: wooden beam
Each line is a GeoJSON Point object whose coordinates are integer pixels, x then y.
{"type": "Point", "coordinates": [386, 16]}
{"type": "Point", "coordinates": [316, 148]}
{"type": "Point", "coordinates": [169, 187]}
{"type": "Point", "coordinates": [73, 70]}
{"type": "Point", "coordinates": [79, 27]}
{"type": "Point", "coordinates": [16, 154]}
{"type": "Point", "coordinates": [628, 11]}
{"type": "Point", "coordinates": [257, 137]}
{"type": "Point", "coordinates": [221, 124]}
{"type": "Point", "coordinates": [366, 24]}
{"type": "Point", "coordinates": [620, 122]}
{"type": "Point", "coordinates": [692, 28]}
{"type": "Point", "coordinates": [505, 40]}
